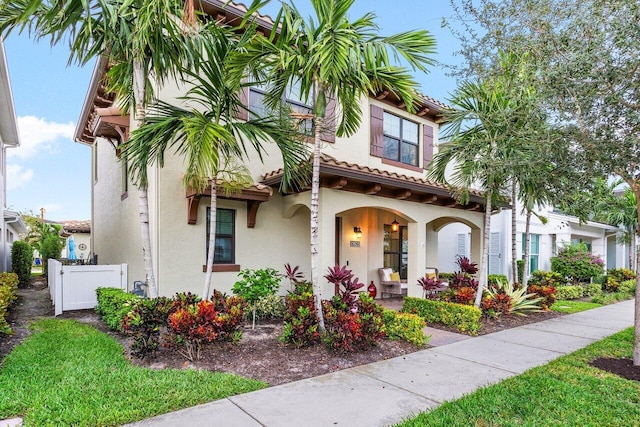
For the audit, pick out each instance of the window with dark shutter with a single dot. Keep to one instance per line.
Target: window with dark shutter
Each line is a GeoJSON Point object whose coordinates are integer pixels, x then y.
{"type": "Point", "coordinates": [427, 132]}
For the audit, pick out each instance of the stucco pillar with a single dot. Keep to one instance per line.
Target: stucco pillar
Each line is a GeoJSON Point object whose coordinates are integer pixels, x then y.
{"type": "Point", "coordinates": [431, 246]}
{"type": "Point", "coordinates": [326, 240]}
{"type": "Point", "coordinates": [476, 247]}
{"type": "Point", "coordinates": [416, 257]}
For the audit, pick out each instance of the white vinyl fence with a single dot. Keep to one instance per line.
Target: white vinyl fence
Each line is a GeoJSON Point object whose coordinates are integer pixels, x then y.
{"type": "Point", "coordinates": [73, 287]}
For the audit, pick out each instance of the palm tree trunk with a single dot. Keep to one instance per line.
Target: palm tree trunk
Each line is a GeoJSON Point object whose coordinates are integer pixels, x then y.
{"type": "Point", "coordinates": [484, 266]}
{"type": "Point", "coordinates": [514, 234]}
{"type": "Point", "coordinates": [527, 249]}
{"type": "Point", "coordinates": [212, 240]}
{"type": "Point", "coordinates": [139, 83]}
{"type": "Point", "coordinates": [315, 195]}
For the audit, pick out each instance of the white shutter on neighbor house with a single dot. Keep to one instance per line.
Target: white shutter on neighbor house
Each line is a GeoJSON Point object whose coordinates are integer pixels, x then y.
{"type": "Point", "coordinates": [461, 245]}
{"type": "Point", "coordinates": [495, 264]}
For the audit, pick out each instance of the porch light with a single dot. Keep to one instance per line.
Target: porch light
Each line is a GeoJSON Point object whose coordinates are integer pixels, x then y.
{"type": "Point", "coordinates": [395, 225]}
{"type": "Point", "coordinates": [358, 232]}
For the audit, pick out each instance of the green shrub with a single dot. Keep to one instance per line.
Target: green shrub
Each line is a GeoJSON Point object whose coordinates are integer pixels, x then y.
{"type": "Point", "coordinates": [577, 263]}
{"type": "Point", "coordinates": [113, 305]}
{"type": "Point", "coordinates": [144, 322]}
{"type": "Point", "coordinates": [611, 298]}
{"type": "Point", "coordinates": [50, 247]}
{"type": "Point", "coordinates": [520, 264]}
{"type": "Point", "coordinates": [600, 279]}
{"type": "Point", "coordinates": [405, 326]}
{"type": "Point", "coordinates": [21, 261]}
{"type": "Point", "coordinates": [628, 286]}
{"type": "Point", "coordinates": [8, 294]}
{"type": "Point", "coordinates": [465, 318]}
{"type": "Point", "coordinates": [569, 292]}
{"type": "Point", "coordinates": [300, 327]}
{"type": "Point", "coordinates": [494, 279]}
{"type": "Point", "coordinates": [270, 307]}
{"type": "Point", "coordinates": [547, 278]}
{"type": "Point", "coordinates": [506, 298]}
{"type": "Point", "coordinates": [616, 276]}
{"type": "Point", "coordinates": [592, 289]}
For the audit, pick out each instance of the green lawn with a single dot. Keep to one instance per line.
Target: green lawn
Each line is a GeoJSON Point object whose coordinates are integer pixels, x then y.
{"type": "Point", "coordinates": [565, 392]}
{"type": "Point", "coordinates": [573, 306]}
{"type": "Point", "coordinates": [67, 373]}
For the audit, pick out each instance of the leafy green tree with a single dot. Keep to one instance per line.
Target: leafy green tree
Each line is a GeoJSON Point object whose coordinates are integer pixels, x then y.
{"type": "Point", "coordinates": [585, 55]}
{"type": "Point", "coordinates": [207, 134]}
{"type": "Point", "coordinates": [330, 56]}
{"type": "Point", "coordinates": [484, 139]}
{"type": "Point", "coordinates": [257, 284]}
{"type": "Point", "coordinates": [139, 39]}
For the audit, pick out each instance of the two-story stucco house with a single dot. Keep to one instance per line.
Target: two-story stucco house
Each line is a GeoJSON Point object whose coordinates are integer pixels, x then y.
{"type": "Point", "coordinates": [376, 208]}
{"type": "Point", "coordinates": [12, 224]}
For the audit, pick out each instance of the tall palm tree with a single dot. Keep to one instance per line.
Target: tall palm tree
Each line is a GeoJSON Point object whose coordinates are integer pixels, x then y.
{"type": "Point", "coordinates": [482, 144]}
{"type": "Point", "coordinates": [207, 134]}
{"type": "Point", "coordinates": [140, 38]}
{"type": "Point", "coordinates": [329, 56]}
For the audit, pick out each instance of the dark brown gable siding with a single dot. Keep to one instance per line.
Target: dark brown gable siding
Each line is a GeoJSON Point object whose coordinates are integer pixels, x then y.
{"type": "Point", "coordinates": [377, 131]}
{"type": "Point", "coordinates": [428, 144]}
{"type": "Point", "coordinates": [243, 112]}
{"type": "Point", "coordinates": [328, 134]}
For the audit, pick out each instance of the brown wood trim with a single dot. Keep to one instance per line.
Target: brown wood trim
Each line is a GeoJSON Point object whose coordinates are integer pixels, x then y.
{"type": "Point", "coordinates": [252, 212]}
{"type": "Point", "coordinates": [124, 195]}
{"type": "Point", "coordinates": [401, 165]}
{"type": "Point", "coordinates": [221, 268]}
{"type": "Point", "coordinates": [373, 189]}
{"type": "Point", "coordinates": [192, 209]}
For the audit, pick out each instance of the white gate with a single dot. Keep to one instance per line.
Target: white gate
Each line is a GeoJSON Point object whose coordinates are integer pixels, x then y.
{"type": "Point", "coordinates": [73, 287]}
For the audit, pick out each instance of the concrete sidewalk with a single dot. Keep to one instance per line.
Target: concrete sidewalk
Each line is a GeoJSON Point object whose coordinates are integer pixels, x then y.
{"type": "Point", "coordinates": [384, 393]}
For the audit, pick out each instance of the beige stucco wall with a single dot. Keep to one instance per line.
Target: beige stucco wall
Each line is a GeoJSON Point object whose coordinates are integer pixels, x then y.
{"type": "Point", "coordinates": [115, 224]}
{"type": "Point", "coordinates": [78, 238]}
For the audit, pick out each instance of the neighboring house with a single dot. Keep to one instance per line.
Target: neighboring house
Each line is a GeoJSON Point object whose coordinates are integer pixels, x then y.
{"type": "Point", "coordinates": [546, 239]}
{"type": "Point", "coordinates": [80, 231]}
{"type": "Point", "coordinates": [376, 208]}
{"type": "Point", "coordinates": [12, 224]}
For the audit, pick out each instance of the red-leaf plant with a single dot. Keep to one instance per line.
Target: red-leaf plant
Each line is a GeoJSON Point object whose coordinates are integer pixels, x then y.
{"type": "Point", "coordinates": [347, 285]}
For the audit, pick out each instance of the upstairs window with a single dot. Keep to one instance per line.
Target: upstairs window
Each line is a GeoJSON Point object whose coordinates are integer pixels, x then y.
{"type": "Point", "coordinates": [292, 98]}
{"type": "Point", "coordinates": [400, 140]}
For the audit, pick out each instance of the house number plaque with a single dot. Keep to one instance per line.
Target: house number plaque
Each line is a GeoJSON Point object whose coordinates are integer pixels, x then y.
{"type": "Point", "coordinates": [354, 243]}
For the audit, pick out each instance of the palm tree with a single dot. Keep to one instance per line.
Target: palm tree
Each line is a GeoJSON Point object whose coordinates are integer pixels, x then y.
{"type": "Point", "coordinates": [208, 136]}
{"type": "Point", "coordinates": [329, 56]}
{"type": "Point", "coordinates": [139, 38]}
{"type": "Point", "coordinates": [483, 142]}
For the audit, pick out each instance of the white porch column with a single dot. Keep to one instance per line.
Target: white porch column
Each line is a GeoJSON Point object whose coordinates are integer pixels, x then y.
{"type": "Point", "coordinates": [476, 247]}
{"type": "Point", "coordinates": [417, 256]}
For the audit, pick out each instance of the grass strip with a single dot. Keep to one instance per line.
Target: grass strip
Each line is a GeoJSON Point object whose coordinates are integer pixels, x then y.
{"type": "Point", "coordinates": [572, 306]}
{"type": "Point", "coordinates": [67, 373]}
{"type": "Point", "coordinates": [565, 392]}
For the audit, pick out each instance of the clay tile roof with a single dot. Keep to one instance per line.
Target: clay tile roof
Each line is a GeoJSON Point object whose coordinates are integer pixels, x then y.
{"type": "Point", "coordinates": [74, 226]}
{"type": "Point", "coordinates": [327, 160]}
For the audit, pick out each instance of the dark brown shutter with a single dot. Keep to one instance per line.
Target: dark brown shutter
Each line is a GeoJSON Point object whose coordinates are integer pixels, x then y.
{"type": "Point", "coordinates": [377, 131]}
{"type": "Point", "coordinates": [428, 144]}
{"type": "Point", "coordinates": [328, 134]}
{"type": "Point", "coordinates": [242, 113]}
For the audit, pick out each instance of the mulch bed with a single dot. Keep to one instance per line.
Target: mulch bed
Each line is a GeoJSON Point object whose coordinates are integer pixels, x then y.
{"type": "Point", "coordinates": [621, 367]}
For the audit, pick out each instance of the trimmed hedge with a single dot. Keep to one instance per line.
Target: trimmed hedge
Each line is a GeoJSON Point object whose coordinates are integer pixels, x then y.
{"type": "Point", "coordinates": [113, 305]}
{"type": "Point", "coordinates": [8, 294]}
{"type": "Point", "coordinates": [569, 292]}
{"type": "Point", "coordinates": [611, 298]}
{"type": "Point", "coordinates": [465, 318]}
{"type": "Point", "coordinates": [21, 261]}
{"type": "Point", "coordinates": [592, 289]}
{"type": "Point", "coordinates": [405, 326]}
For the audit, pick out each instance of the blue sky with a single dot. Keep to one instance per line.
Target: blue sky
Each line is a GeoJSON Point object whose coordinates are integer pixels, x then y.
{"type": "Point", "coordinates": [50, 170]}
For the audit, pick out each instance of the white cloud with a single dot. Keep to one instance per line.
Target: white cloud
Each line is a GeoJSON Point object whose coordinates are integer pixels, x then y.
{"type": "Point", "coordinates": [17, 176]}
{"type": "Point", "coordinates": [51, 208]}
{"type": "Point", "coordinates": [38, 135]}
